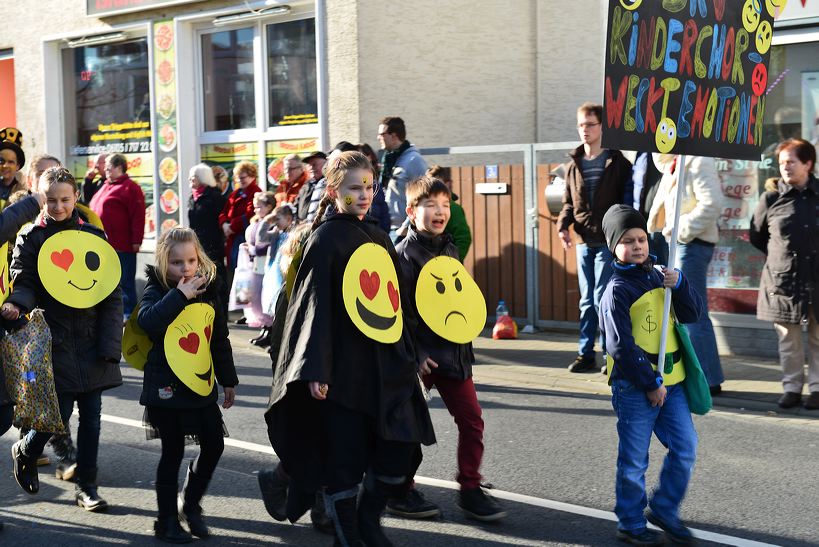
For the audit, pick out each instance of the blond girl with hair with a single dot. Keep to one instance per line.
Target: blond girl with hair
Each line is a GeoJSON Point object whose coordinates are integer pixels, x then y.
{"type": "Point", "coordinates": [181, 313]}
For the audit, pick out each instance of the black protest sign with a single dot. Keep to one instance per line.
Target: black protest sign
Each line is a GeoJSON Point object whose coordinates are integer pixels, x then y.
{"type": "Point", "coordinates": [687, 76]}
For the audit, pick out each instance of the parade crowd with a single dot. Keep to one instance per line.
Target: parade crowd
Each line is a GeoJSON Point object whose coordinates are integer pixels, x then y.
{"type": "Point", "coordinates": [345, 268]}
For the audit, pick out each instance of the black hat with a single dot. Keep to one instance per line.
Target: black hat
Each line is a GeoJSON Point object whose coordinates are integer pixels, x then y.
{"type": "Point", "coordinates": [618, 220]}
{"type": "Point", "coordinates": [318, 154]}
{"type": "Point", "coordinates": [21, 157]}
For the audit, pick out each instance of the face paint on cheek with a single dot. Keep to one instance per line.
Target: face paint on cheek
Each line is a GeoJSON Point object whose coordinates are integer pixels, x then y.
{"type": "Point", "coordinates": [348, 199]}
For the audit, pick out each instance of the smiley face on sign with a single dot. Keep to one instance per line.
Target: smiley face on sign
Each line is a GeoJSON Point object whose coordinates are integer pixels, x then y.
{"type": "Point", "coordinates": [187, 347]}
{"type": "Point", "coordinates": [750, 15]}
{"type": "Point", "coordinates": [135, 343]}
{"type": "Point", "coordinates": [764, 36]}
{"type": "Point", "coordinates": [666, 136]}
{"type": "Point", "coordinates": [449, 301]}
{"type": "Point", "coordinates": [78, 269]}
{"type": "Point", "coordinates": [370, 292]}
{"type": "Point", "coordinates": [759, 79]}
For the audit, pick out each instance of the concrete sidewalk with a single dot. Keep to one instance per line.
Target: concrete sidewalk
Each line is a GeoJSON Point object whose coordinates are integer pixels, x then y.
{"type": "Point", "coordinates": [540, 360]}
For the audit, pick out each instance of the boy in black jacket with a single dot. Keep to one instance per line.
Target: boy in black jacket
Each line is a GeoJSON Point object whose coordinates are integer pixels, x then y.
{"type": "Point", "coordinates": [444, 364]}
{"type": "Point", "coordinates": [645, 400]}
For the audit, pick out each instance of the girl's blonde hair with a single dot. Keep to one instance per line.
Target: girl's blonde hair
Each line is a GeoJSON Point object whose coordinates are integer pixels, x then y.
{"type": "Point", "coordinates": [337, 170]}
{"type": "Point", "coordinates": [176, 236]}
{"type": "Point", "coordinates": [56, 175]}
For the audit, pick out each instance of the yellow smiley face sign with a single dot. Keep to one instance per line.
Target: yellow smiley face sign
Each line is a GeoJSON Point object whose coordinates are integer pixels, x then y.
{"type": "Point", "coordinates": [449, 301]}
{"type": "Point", "coordinates": [78, 269]}
{"type": "Point", "coordinates": [187, 347]}
{"type": "Point", "coordinates": [135, 343]}
{"type": "Point", "coordinates": [666, 136]}
{"type": "Point", "coordinates": [4, 272]}
{"type": "Point", "coordinates": [370, 292]}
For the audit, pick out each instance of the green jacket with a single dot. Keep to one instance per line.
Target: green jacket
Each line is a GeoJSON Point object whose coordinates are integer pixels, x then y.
{"type": "Point", "coordinates": [459, 229]}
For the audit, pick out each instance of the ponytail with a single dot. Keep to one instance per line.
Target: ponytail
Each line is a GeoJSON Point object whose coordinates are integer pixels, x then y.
{"type": "Point", "coordinates": [322, 208]}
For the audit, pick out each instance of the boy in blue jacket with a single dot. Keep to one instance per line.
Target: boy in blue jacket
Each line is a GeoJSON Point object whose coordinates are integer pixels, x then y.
{"type": "Point", "coordinates": [645, 400]}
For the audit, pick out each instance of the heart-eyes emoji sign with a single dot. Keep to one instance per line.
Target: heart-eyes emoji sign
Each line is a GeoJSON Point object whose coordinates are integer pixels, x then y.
{"type": "Point", "coordinates": [187, 347]}
{"type": "Point", "coordinates": [371, 297]}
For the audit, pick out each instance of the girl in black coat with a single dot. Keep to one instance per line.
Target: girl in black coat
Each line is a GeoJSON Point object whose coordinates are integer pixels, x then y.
{"type": "Point", "coordinates": [85, 324]}
{"type": "Point", "coordinates": [346, 397]}
{"type": "Point", "coordinates": [182, 315]}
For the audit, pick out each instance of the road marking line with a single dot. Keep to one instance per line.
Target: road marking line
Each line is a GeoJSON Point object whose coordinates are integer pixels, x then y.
{"type": "Point", "coordinates": [502, 494]}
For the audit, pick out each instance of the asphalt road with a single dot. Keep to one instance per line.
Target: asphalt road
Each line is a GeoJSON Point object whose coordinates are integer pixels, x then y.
{"type": "Point", "coordinates": [755, 478]}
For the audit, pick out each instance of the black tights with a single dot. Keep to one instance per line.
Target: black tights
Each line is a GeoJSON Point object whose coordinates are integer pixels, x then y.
{"type": "Point", "coordinates": [211, 444]}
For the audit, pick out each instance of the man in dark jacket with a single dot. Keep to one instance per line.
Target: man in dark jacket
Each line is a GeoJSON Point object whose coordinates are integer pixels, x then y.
{"type": "Point", "coordinates": [596, 179]}
{"type": "Point", "coordinates": [786, 228]}
{"type": "Point", "coordinates": [315, 172]}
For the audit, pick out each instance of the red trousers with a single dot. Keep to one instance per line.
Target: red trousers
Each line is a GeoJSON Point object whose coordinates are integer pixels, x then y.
{"type": "Point", "coordinates": [461, 400]}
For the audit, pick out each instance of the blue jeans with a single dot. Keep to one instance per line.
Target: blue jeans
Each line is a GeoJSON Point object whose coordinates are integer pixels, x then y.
{"type": "Point", "coordinates": [593, 273]}
{"type": "Point", "coordinates": [693, 259]}
{"type": "Point", "coordinates": [127, 281]}
{"type": "Point", "coordinates": [88, 430]}
{"type": "Point", "coordinates": [672, 424]}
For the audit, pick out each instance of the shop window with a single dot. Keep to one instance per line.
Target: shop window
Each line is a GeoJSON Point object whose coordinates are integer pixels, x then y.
{"type": "Point", "coordinates": [227, 70]}
{"type": "Point", "coordinates": [107, 108]}
{"type": "Point", "coordinates": [791, 110]}
{"type": "Point", "coordinates": [227, 155]}
{"type": "Point", "coordinates": [8, 105]}
{"type": "Point", "coordinates": [291, 72]}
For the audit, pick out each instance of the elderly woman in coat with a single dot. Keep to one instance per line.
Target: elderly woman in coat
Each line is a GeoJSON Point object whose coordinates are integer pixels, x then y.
{"type": "Point", "coordinates": [786, 228]}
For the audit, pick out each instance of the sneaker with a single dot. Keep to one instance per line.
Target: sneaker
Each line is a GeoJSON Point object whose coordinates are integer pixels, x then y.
{"type": "Point", "coordinates": [66, 452]}
{"type": "Point", "coordinates": [43, 460]}
{"type": "Point", "coordinates": [241, 321]}
{"type": "Point", "coordinates": [643, 537]}
{"type": "Point", "coordinates": [479, 505]}
{"type": "Point", "coordinates": [677, 533]}
{"type": "Point", "coordinates": [25, 469]}
{"type": "Point", "coordinates": [413, 506]}
{"type": "Point", "coordinates": [789, 399]}
{"type": "Point", "coordinates": [813, 401]}
{"type": "Point", "coordinates": [583, 364]}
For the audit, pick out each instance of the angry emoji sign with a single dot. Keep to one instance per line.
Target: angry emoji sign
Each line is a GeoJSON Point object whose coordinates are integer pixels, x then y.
{"type": "Point", "coordinates": [449, 301]}
{"type": "Point", "coordinates": [187, 347]}
{"type": "Point", "coordinates": [78, 269]}
{"type": "Point", "coordinates": [370, 292]}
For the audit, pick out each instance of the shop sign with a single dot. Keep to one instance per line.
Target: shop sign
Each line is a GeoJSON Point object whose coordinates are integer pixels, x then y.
{"type": "Point", "coordinates": [103, 8]}
{"type": "Point", "coordinates": [167, 164]}
{"type": "Point", "coordinates": [276, 151]}
{"type": "Point", "coordinates": [687, 77]}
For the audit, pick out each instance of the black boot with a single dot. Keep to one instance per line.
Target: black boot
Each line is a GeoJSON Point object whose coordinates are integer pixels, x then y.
{"type": "Point", "coordinates": [190, 512]}
{"type": "Point", "coordinates": [341, 508]}
{"type": "Point", "coordinates": [274, 484]}
{"type": "Point", "coordinates": [371, 506]}
{"type": "Point", "coordinates": [25, 469]}
{"type": "Point", "coordinates": [66, 453]}
{"type": "Point", "coordinates": [318, 516]}
{"type": "Point", "coordinates": [85, 491]}
{"type": "Point", "coordinates": [166, 526]}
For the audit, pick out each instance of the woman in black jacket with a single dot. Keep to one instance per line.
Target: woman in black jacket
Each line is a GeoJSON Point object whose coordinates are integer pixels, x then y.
{"type": "Point", "coordinates": [85, 324]}
{"type": "Point", "coordinates": [181, 313]}
{"type": "Point", "coordinates": [204, 206]}
{"type": "Point", "coordinates": [786, 228]}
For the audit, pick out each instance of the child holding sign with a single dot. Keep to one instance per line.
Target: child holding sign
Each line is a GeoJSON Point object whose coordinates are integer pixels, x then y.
{"type": "Point", "coordinates": [645, 400]}
{"type": "Point", "coordinates": [66, 267]}
{"type": "Point", "coordinates": [452, 312]}
{"type": "Point", "coordinates": [346, 398]}
{"type": "Point", "coordinates": [181, 313]}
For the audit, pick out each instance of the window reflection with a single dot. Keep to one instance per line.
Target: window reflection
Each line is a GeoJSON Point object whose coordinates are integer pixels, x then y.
{"type": "Point", "coordinates": [291, 50]}
{"type": "Point", "coordinates": [229, 98]}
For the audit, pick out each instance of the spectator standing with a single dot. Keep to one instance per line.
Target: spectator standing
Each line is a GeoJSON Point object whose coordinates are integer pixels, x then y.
{"type": "Point", "coordinates": [204, 206]}
{"type": "Point", "coordinates": [222, 180]}
{"type": "Point", "coordinates": [318, 190]}
{"type": "Point", "coordinates": [401, 162]}
{"type": "Point", "coordinates": [646, 182]}
{"type": "Point", "coordinates": [786, 229]}
{"type": "Point", "coordinates": [12, 160]}
{"type": "Point", "coordinates": [314, 165]}
{"type": "Point", "coordinates": [698, 234]}
{"type": "Point", "coordinates": [94, 179]}
{"type": "Point", "coordinates": [296, 177]}
{"type": "Point", "coordinates": [596, 179]}
{"type": "Point", "coordinates": [120, 204]}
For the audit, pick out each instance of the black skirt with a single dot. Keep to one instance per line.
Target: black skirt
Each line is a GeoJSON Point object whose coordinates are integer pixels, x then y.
{"type": "Point", "coordinates": [192, 421]}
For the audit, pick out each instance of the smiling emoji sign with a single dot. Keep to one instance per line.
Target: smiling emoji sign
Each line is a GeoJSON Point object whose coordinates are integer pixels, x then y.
{"type": "Point", "coordinates": [78, 269]}
{"type": "Point", "coordinates": [449, 301]}
{"type": "Point", "coordinates": [187, 347]}
{"type": "Point", "coordinates": [371, 297]}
